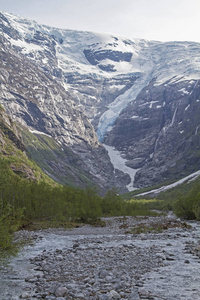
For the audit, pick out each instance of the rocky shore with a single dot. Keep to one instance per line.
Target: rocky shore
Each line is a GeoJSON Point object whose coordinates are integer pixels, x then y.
{"type": "Point", "coordinates": [130, 258]}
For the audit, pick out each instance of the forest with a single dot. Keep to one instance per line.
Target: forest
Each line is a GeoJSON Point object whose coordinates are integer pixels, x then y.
{"type": "Point", "coordinates": [29, 202]}
{"type": "Point", "coordinates": [36, 204]}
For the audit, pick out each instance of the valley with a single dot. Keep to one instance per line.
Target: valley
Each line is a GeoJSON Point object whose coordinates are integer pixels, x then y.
{"type": "Point", "coordinates": [85, 90]}
{"type": "Point", "coordinates": [99, 165]}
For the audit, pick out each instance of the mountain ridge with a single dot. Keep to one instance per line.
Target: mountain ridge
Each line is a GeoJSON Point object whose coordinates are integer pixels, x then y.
{"type": "Point", "coordinates": [121, 87]}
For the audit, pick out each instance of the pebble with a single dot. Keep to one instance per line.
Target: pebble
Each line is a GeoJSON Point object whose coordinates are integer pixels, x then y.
{"type": "Point", "coordinates": [25, 296]}
{"type": "Point", "coordinates": [61, 292]}
{"type": "Point", "coordinates": [113, 295]}
{"type": "Point", "coordinates": [104, 266]}
{"type": "Point", "coordinates": [187, 261]}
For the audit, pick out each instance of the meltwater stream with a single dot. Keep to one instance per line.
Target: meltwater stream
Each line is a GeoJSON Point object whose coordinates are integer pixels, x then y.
{"type": "Point", "coordinates": [178, 278]}
{"type": "Point", "coordinates": [13, 275]}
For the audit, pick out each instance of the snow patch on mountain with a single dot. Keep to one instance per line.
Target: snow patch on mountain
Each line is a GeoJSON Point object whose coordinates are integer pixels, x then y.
{"type": "Point", "coordinates": [39, 133]}
{"type": "Point", "coordinates": [120, 163]}
{"type": "Point", "coordinates": [188, 179]}
{"type": "Point", "coordinates": [26, 47]}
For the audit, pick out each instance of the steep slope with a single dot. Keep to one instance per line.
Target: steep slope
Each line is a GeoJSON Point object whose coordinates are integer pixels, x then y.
{"type": "Point", "coordinates": [159, 132]}
{"type": "Point", "coordinates": [141, 97]}
{"type": "Point", "coordinates": [35, 100]}
{"type": "Point", "coordinates": [13, 158]}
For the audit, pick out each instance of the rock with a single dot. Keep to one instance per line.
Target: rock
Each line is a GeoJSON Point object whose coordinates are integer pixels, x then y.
{"type": "Point", "coordinates": [121, 268]}
{"type": "Point", "coordinates": [135, 295]}
{"type": "Point", "coordinates": [187, 261]}
{"type": "Point", "coordinates": [30, 279]}
{"type": "Point", "coordinates": [109, 278]}
{"type": "Point", "coordinates": [113, 295]}
{"type": "Point", "coordinates": [51, 297]}
{"type": "Point", "coordinates": [103, 297]}
{"type": "Point", "coordinates": [170, 258]}
{"type": "Point", "coordinates": [61, 292]}
{"type": "Point", "coordinates": [141, 132]}
{"type": "Point", "coordinates": [104, 273]}
{"type": "Point", "coordinates": [79, 296]}
{"type": "Point", "coordinates": [24, 296]}
{"type": "Point", "coordinates": [52, 289]}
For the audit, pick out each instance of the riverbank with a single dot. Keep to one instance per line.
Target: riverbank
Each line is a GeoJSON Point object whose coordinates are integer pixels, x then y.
{"type": "Point", "coordinates": [129, 258]}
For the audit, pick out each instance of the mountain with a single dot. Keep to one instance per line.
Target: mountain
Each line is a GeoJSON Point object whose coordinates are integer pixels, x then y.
{"type": "Point", "coordinates": [40, 103]}
{"type": "Point", "coordinates": [140, 98]}
{"type": "Point", "coordinates": [13, 159]}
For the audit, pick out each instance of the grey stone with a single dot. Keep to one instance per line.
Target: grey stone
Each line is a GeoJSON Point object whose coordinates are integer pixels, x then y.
{"type": "Point", "coordinates": [79, 296]}
{"type": "Point", "coordinates": [61, 292]}
{"type": "Point", "coordinates": [30, 279]}
{"type": "Point", "coordinates": [103, 297]}
{"type": "Point", "coordinates": [104, 273]}
{"type": "Point", "coordinates": [53, 288]}
{"type": "Point", "coordinates": [24, 296]}
{"type": "Point", "coordinates": [187, 261]}
{"type": "Point", "coordinates": [113, 295]}
{"type": "Point", "coordinates": [135, 296]}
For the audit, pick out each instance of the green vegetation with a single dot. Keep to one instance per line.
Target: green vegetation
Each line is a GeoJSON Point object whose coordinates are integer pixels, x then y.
{"type": "Point", "coordinates": [30, 199]}
{"type": "Point", "coordinates": [183, 199]}
{"type": "Point", "coordinates": [40, 204]}
{"type": "Point", "coordinates": [188, 206]}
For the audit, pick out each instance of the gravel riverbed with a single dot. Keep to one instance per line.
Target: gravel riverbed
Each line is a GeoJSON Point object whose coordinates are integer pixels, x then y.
{"type": "Point", "coordinates": [111, 262]}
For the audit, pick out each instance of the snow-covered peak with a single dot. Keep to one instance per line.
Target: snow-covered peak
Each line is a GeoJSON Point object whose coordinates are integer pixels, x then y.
{"type": "Point", "coordinates": [72, 43]}
{"type": "Point", "coordinates": [89, 52]}
{"type": "Point", "coordinates": [104, 56]}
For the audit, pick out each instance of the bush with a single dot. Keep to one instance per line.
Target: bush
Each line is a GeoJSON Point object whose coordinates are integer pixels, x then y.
{"type": "Point", "coordinates": [188, 207]}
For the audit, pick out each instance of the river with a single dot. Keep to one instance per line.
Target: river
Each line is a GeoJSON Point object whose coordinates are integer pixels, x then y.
{"type": "Point", "coordinates": [107, 263]}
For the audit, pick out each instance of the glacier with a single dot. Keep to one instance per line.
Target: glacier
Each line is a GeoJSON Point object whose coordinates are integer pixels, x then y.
{"type": "Point", "coordinates": [102, 74]}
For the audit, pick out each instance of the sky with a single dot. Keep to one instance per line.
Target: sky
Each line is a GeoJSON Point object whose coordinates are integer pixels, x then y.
{"type": "Point", "coordinates": [161, 20]}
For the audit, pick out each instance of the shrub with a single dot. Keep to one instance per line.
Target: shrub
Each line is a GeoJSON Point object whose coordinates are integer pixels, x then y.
{"type": "Point", "coordinates": [188, 207]}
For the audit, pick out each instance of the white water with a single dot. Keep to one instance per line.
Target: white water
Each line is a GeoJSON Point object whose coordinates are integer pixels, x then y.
{"type": "Point", "coordinates": [12, 279]}
{"type": "Point", "coordinates": [178, 280]}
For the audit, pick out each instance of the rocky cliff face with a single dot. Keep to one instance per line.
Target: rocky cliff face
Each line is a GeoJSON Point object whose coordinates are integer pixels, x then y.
{"type": "Point", "coordinates": [40, 103]}
{"type": "Point", "coordinates": [159, 132]}
{"type": "Point", "coordinates": [141, 98]}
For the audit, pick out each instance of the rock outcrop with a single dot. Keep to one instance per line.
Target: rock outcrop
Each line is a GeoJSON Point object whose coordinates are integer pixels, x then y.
{"type": "Point", "coordinates": [159, 132]}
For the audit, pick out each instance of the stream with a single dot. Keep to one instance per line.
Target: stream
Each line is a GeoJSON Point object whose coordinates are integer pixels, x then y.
{"type": "Point", "coordinates": [107, 263]}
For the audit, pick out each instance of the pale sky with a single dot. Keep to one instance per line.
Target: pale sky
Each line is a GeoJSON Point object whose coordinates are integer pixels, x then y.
{"type": "Point", "coordinates": [162, 20]}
